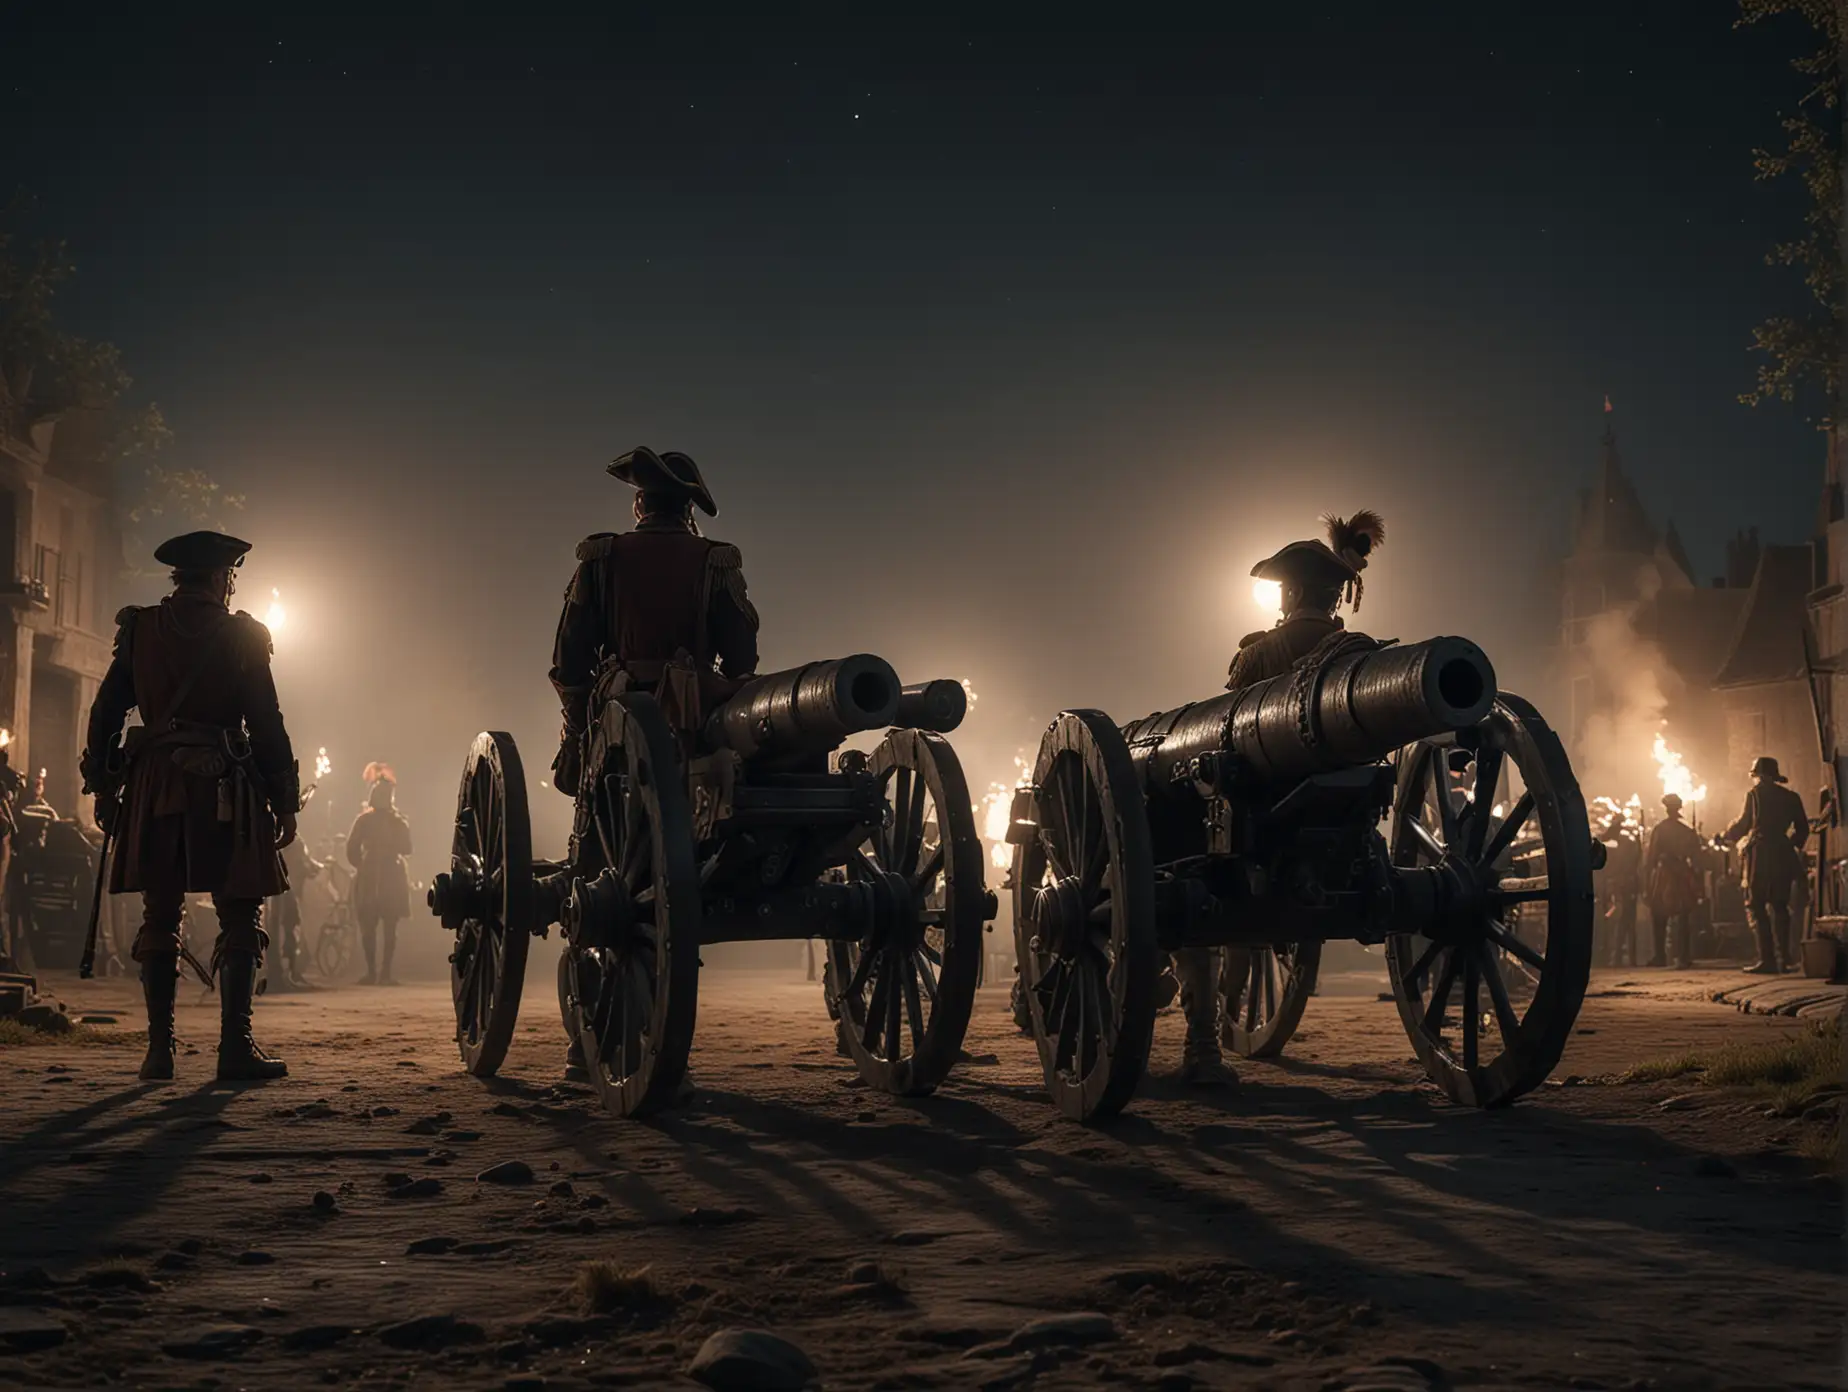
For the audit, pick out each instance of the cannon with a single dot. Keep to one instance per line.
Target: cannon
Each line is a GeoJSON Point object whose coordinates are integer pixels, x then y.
{"type": "Point", "coordinates": [759, 827]}
{"type": "Point", "coordinates": [1380, 793]}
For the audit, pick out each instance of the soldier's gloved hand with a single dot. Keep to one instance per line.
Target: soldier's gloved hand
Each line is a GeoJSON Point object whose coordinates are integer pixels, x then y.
{"type": "Point", "coordinates": [285, 829]}
{"type": "Point", "coordinates": [104, 810]}
{"type": "Point", "coordinates": [566, 768]}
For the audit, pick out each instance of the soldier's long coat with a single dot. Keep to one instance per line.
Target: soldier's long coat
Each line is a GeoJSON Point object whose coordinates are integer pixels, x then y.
{"type": "Point", "coordinates": [376, 848]}
{"type": "Point", "coordinates": [170, 838]}
{"type": "Point", "coordinates": [1271, 652]}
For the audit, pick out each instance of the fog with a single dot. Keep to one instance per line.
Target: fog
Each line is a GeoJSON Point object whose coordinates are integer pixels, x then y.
{"type": "Point", "coordinates": [1006, 358]}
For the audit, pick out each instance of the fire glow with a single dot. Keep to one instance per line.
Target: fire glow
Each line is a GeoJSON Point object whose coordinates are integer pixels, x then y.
{"type": "Point", "coordinates": [1675, 775]}
{"type": "Point", "coordinates": [1268, 595]}
{"type": "Point", "coordinates": [276, 617]}
{"type": "Point", "coordinates": [322, 764]}
{"type": "Point", "coordinates": [995, 814]}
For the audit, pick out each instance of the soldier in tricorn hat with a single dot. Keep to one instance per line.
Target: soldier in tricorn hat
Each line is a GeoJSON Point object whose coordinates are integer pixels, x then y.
{"type": "Point", "coordinates": [1775, 829]}
{"type": "Point", "coordinates": [1672, 885]}
{"type": "Point", "coordinates": [203, 794]}
{"type": "Point", "coordinates": [1313, 577]}
{"type": "Point", "coordinates": [660, 608]}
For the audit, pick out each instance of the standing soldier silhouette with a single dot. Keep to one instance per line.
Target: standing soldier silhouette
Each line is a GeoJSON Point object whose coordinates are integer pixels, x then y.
{"type": "Point", "coordinates": [1671, 874]}
{"type": "Point", "coordinates": [660, 609]}
{"type": "Point", "coordinates": [1775, 829]}
{"type": "Point", "coordinates": [202, 795]}
{"type": "Point", "coordinates": [376, 848]}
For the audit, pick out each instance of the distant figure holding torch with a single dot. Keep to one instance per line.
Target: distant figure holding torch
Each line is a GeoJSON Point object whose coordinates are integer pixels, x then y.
{"type": "Point", "coordinates": [376, 848]}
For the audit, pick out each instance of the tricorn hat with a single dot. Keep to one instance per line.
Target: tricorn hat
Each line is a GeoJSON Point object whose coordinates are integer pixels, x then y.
{"type": "Point", "coordinates": [1307, 564]}
{"type": "Point", "coordinates": [669, 472]}
{"type": "Point", "coordinates": [202, 551]}
{"type": "Point", "coordinates": [1764, 766]}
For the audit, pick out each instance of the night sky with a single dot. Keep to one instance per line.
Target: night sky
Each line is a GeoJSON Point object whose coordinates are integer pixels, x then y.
{"type": "Point", "coordinates": [1007, 345]}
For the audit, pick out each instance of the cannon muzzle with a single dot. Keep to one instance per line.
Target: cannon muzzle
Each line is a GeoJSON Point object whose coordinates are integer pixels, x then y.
{"type": "Point", "coordinates": [933, 705]}
{"type": "Point", "coordinates": [808, 710]}
{"type": "Point", "coordinates": [1353, 710]}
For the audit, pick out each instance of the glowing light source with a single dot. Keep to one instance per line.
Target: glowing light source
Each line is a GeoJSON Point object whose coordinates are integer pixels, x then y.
{"type": "Point", "coordinates": [275, 617]}
{"type": "Point", "coordinates": [969, 690]}
{"type": "Point", "coordinates": [322, 764]}
{"type": "Point", "coordinates": [996, 813]}
{"type": "Point", "coordinates": [6, 737]}
{"type": "Point", "coordinates": [1268, 595]}
{"type": "Point", "coordinates": [1676, 777]}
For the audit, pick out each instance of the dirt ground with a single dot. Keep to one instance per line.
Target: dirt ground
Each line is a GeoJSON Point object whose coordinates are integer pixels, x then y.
{"type": "Point", "coordinates": [1333, 1222]}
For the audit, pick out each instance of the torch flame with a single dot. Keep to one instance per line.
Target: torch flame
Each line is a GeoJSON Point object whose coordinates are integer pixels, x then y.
{"type": "Point", "coordinates": [1675, 775]}
{"type": "Point", "coordinates": [322, 764]}
{"type": "Point", "coordinates": [996, 814]}
{"type": "Point", "coordinates": [276, 616]}
{"type": "Point", "coordinates": [6, 737]}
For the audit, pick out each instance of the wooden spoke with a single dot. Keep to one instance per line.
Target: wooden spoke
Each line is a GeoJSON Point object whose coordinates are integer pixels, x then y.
{"type": "Point", "coordinates": [1488, 777]}
{"type": "Point", "coordinates": [1509, 829]}
{"type": "Point", "coordinates": [1432, 845]}
{"type": "Point", "coordinates": [1505, 1019]}
{"type": "Point", "coordinates": [1544, 831]}
{"type": "Point", "coordinates": [491, 851]}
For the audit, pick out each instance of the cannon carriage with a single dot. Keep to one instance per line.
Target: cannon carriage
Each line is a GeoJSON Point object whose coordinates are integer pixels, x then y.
{"type": "Point", "coordinates": [1379, 793]}
{"type": "Point", "coordinates": [754, 829]}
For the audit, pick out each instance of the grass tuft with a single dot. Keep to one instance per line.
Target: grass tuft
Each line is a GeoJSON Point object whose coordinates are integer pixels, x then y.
{"type": "Point", "coordinates": [1799, 1075]}
{"type": "Point", "coordinates": [603, 1288]}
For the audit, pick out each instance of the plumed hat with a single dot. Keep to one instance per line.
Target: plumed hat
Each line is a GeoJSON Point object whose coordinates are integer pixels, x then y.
{"type": "Point", "coordinates": [1354, 539]}
{"type": "Point", "coordinates": [1309, 565]}
{"type": "Point", "coordinates": [669, 472]}
{"type": "Point", "coordinates": [202, 551]}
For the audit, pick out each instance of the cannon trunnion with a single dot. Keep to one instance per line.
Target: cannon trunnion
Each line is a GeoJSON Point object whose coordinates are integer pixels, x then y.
{"type": "Point", "coordinates": [746, 834]}
{"type": "Point", "coordinates": [1252, 823]}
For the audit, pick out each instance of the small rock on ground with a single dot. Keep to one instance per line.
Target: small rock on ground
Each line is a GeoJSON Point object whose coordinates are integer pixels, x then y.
{"type": "Point", "coordinates": [1085, 1327]}
{"type": "Point", "coordinates": [751, 1360]}
{"type": "Point", "coordinates": [507, 1172]}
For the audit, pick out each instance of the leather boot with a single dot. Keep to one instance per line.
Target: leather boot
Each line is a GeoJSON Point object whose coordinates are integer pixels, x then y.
{"type": "Point", "coordinates": [1767, 964]}
{"type": "Point", "coordinates": [368, 940]}
{"type": "Point", "coordinates": [160, 975]}
{"type": "Point", "coordinates": [239, 1058]}
{"type": "Point", "coordinates": [386, 950]}
{"type": "Point", "coordinates": [1202, 1064]}
{"type": "Point", "coordinates": [575, 1070]}
{"type": "Point", "coordinates": [1684, 944]}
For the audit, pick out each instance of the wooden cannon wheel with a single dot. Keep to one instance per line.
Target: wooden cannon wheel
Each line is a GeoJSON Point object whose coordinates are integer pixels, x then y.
{"type": "Point", "coordinates": [906, 989]}
{"type": "Point", "coordinates": [1529, 947]}
{"type": "Point", "coordinates": [629, 997]}
{"type": "Point", "coordinates": [1084, 914]}
{"type": "Point", "coordinates": [1266, 991]}
{"type": "Point", "coordinates": [491, 868]}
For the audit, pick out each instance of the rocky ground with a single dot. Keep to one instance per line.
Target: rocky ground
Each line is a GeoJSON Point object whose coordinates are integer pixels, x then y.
{"type": "Point", "coordinates": [379, 1219]}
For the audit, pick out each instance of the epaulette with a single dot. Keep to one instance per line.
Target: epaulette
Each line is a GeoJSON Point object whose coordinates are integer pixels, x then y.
{"type": "Point", "coordinates": [125, 627]}
{"type": "Point", "coordinates": [726, 564]}
{"type": "Point", "coordinates": [126, 615]}
{"type": "Point", "coordinates": [254, 630]}
{"type": "Point", "coordinates": [596, 546]}
{"type": "Point", "coordinates": [1251, 638]}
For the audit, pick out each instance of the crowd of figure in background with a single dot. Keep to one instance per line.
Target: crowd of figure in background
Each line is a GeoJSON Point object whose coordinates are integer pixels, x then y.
{"type": "Point", "coordinates": [1755, 876]}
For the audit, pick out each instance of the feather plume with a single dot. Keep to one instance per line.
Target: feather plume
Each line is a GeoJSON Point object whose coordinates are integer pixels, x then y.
{"type": "Point", "coordinates": [380, 773]}
{"type": "Point", "coordinates": [1354, 539]}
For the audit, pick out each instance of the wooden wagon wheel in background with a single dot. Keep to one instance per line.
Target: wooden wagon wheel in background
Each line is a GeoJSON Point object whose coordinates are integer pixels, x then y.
{"type": "Point", "coordinates": [1266, 991]}
{"type": "Point", "coordinates": [1477, 980]}
{"type": "Point", "coordinates": [1084, 914]}
{"type": "Point", "coordinates": [905, 990]}
{"type": "Point", "coordinates": [629, 991]}
{"type": "Point", "coordinates": [486, 899]}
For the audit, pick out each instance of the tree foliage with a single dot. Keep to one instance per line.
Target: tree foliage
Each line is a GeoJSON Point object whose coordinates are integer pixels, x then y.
{"type": "Point", "coordinates": [1804, 351]}
{"type": "Point", "coordinates": [47, 373]}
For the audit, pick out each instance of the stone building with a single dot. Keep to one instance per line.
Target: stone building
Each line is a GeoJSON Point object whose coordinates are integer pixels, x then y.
{"type": "Point", "coordinates": [59, 554]}
{"type": "Point", "coordinates": [1719, 668]}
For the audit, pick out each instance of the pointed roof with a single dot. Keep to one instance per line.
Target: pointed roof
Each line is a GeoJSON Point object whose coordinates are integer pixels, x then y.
{"type": "Point", "coordinates": [1770, 643]}
{"type": "Point", "coordinates": [1611, 516]}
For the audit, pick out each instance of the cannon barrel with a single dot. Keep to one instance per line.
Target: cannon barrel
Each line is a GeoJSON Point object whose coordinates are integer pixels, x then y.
{"type": "Point", "coordinates": [807, 710]}
{"type": "Point", "coordinates": [1350, 711]}
{"type": "Point", "coordinates": [933, 705]}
